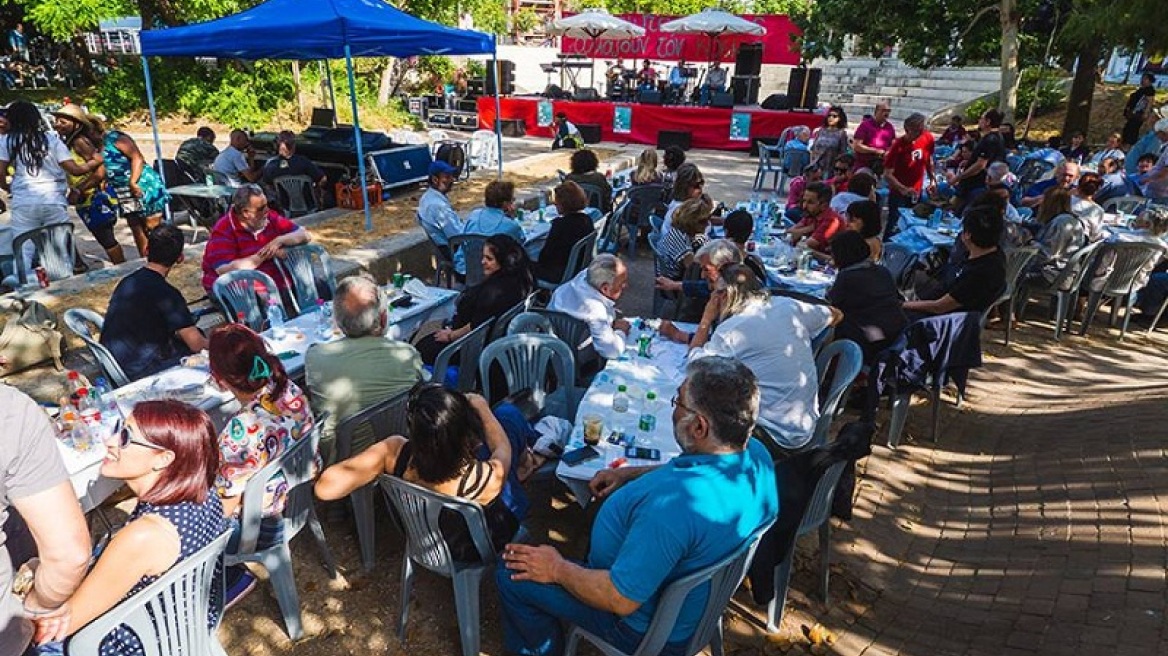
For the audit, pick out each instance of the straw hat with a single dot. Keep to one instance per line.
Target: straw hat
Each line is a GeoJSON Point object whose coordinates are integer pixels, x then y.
{"type": "Point", "coordinates": [74, 113]}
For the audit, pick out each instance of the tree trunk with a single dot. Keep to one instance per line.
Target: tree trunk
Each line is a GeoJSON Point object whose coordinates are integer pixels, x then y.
{"type": "Point", "coordinates": [383, 90]}
{"type": "Point", "coordinates": [1082, 89]}
{"type": "Point", "coordinates": [1008, 91]}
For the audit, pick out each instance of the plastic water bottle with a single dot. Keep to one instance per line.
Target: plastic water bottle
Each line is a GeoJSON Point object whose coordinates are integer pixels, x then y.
{"type": "Point", "coordinates": [326, 318]}
{"type": "Point", "coordinates": [103, 399]}
{"type": "Point", "coordinates": [648, 421]}
{"type": "Point", "coordinates": [542, 206]}
{"type": "Point", "coordinates": [754, 204]}
{"type": "Point", "coordinates": [620, 400]}
{"type": "Point", "coordinates": [276, 317]}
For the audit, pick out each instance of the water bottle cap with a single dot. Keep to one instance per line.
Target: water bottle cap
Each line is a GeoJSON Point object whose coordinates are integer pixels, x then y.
{"type": "Point", "coordinates": [621, 388]}
{"type": "Point", "coordinates": [651, 396]}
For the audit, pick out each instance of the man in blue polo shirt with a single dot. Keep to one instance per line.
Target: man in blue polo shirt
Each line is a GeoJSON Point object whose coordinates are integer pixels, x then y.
{"type": "Point", "coordinates": [657, 525]}
{"type": "Point", "coordinates": [435, 213]}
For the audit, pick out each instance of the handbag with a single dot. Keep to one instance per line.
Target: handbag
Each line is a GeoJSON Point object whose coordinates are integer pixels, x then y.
{"type": "Point", "coordinates": [102, 209]}
{"type": "Point", "coordinates": [30, 336]}
{"type": "Point", "coordinates": [129, 205]}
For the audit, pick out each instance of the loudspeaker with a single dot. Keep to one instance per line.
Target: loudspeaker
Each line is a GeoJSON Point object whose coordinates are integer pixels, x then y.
{"type": "Point", "coordinates": [745, 89]}
{"type": "Point", "coordinates": [586, 94]}
{"type": "Point", "coordinates": [722, 99]}
{"type": "Point", "coordinates": [667, 138]}
{"type": "Point", "coordinates": [749, 60]}
{"type": "Point", "coordinates": [589, 132]}
{"type": "Point", "coordinates": [467, 106]}
{"type": "Point", "coordinates": [505, 73]}
{"type": "Point", "coordinates": [648, 97]}
{"type": "Point", "coordinates": [777, 101]}
{"type": "Point", "coordinates": [513, 127]}
{"type": "Point", "coordinates": [464, 121]}
{"type": "Point", "coordinates": [803, 88]}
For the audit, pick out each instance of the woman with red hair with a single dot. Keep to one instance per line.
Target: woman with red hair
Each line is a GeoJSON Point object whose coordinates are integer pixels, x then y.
{"type": "Point", "coordinates": [165, 453]}
{"type": "Point", "coordinates": [273, 414]}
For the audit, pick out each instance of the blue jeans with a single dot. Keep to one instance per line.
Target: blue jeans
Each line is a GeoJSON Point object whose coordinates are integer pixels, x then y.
{"type": "Point", "coordinates": [533, 612]}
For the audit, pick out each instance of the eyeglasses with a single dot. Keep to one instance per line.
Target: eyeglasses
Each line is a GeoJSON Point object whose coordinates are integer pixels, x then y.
{"type": "Point", "coordinates": [841, 169]}
{"type": "Point", "coordinates": [833, 115]}
{"type": "Point", "coordinates": [678, 404]}
{"type": "Point", "coordinates": [126, 438]}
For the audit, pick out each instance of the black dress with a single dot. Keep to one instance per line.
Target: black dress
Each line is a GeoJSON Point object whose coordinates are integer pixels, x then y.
{"type": "Point", "coordinates": [493, 296]}
{"type": "Point", "coordinates": [566, 231]}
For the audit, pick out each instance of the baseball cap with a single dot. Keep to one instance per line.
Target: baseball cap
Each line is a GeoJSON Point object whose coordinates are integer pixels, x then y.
{"type": "Point", "coordinates": [438, 167]}
{"type": "Point", "coordinates": [1162, 125]}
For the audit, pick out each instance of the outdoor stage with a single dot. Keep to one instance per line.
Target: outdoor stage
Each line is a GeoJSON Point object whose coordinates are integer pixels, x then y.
{"type": "Point", "coordinates": [713, 128]}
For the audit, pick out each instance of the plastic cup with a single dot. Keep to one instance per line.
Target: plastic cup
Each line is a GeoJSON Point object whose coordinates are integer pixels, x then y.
{"type": "Point", "coordinates": [593, 428]}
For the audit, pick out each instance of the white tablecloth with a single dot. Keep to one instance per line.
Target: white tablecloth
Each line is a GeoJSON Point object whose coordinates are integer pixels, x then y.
{"type": "Point", "coordinates": [661, 374]}
{"type": "Point", "coordinates": [84, 470]}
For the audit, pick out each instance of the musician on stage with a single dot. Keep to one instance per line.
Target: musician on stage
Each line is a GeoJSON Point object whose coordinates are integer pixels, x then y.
{"type": "Point", "coordinates": [677, 80]}
{"type": "Point", "coordinates": [615, 75]}
{"type": "Point", "coordinates": [647, 76]}
{"type": "Point", "coordinates": [715, 82]}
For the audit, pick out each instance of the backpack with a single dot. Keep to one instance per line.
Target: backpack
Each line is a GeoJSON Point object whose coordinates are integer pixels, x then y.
{"type": "Point", "coordinates": [30, 336]}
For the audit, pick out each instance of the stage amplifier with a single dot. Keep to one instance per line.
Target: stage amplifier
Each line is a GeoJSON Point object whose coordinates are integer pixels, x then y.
{"type": "Point", "coordinates": [803, 88]}
{"type": "Point", "coordinates": [505, 73]}
{"type": "Point", "coordinates": [722, 99]}
{"type": "Point", "coordinates": [648, 97]}
{"type": "Point", "coordinates": [446, 118]}
{"type": "Point", "coordinates": [745, 89]}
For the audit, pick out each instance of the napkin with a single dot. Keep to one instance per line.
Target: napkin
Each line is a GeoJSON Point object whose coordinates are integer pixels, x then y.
{"type": "Point", "coordinates": [417, 289]}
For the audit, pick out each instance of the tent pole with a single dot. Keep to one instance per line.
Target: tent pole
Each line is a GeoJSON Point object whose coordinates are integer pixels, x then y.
{"type": "Point", "coordinates": [357, 139]}
{"type": "Point", "coordinates": [154, 128]}
{"type": "Point", "coordinates": [328, 77]}
{"type": "Point", "coordinates": [498, 111]}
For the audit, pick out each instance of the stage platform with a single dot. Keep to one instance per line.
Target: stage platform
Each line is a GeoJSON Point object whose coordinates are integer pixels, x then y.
{"type": "Point", "coordinates": [709, 127]}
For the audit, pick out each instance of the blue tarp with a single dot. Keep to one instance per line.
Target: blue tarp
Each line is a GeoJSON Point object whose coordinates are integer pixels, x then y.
{"type": "Point", "coordinates": [315, 29]}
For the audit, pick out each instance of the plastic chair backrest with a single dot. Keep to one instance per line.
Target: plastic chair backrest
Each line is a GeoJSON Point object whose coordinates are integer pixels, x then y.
{"type": "Point", "coordinates": [1061, 236]}
{"type": "Point", "coordinates": [595, 194]}
{"type": "Point", "coordinates": [574, 332]}
{"type": "Point", "coordinates": [795, 160]}
{"type": "Point", "coordinates": [467, 348]}
{"type": "Point", "coordinates": [472, 246]}
{"type": "Point", "coordinates": [296, 194]}
{"type": "Point", "coordinates": [1127, 261]}
{"type": "Point", "coordinates": [79, 321]}
{"type": "Point", "coordinates": [819, 341]}
{"type": "Point", "coordinates": [499, 325]}
{"type": "Point", "coordinates": [579, 257]}
{"type": "Point", "coordinates": [525, 360]}
{"type": "Point", "coordinates": [1076, 268]}
{"type": "Point", "coordinates": [374, 423]}
{"type": "Point", "coordinates": [609, 239]}
{"type": "Point", "coordinates": [296, 464]}
{"type": "Point", "coordinates": [849, 359]}
{"type": "Point", "coordinates": [309, 269]}
{"type": "Point", "coordinates": [1016, 261]}
{"type": "Point", "coordinates": [53, 244]}
{"type": "Point", "coordinates": [1032, 170]}
{"type": "Point", "coordinates": [769, 157]}
{"type": "Point", "coordinates": [236, 292]}
{"type": "Point", "coordinates": [483, 149]}
{"type": "Point", "coordinates": [175, 174]}
{"type": "Point", "coordinates": [898, 259]}
{"type": "Point", "coordinates": [819, 507]}
{"type": "Point", "coordinates": [439, 135]}
{"type": "Point", "coordinates": [169, 616]}
{"type": "Point", "coordinates": [420, 509]}
{"type": "Point", "coordinates": [530, 322]}
{"type": "Point", "coordinates": [1125, 204]}
{"type": "Point", "coordinates": [644, 201]}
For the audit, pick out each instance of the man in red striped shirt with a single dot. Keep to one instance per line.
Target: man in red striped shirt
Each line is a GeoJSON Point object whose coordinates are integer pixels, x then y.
{"type": "Point", "coordinates": [248, 237]}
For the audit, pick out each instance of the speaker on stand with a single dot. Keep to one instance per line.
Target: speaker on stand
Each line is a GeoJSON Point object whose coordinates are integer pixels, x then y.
{"type": "Point", "coordinates": [748, 60]}
{"type": "Point", "coordinates": [504, 73]}
{"type": "Point", "coordinates": [803, 88]}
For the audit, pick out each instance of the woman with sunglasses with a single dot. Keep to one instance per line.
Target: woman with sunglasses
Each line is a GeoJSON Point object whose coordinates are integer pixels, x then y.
{"type": "Point", "coordinates": [165, 453]}
{"type": "Point", "coordinates": [273, 415]}
{"type": "Point", "coordinates": [456, 447]}
{"type": "Point", "coordinates": [830, 139]}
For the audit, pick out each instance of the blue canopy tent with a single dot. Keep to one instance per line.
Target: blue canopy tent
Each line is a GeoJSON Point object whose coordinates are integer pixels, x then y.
{"type": "Point", "coordinates": [322, 29]}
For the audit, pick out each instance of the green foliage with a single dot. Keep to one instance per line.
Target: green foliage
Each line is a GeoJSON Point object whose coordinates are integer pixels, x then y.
{"type": "Point", "coordinates": [61, 19]}
{"type": "Point", "coordinates": [524, 20]}
{"type": "Point", "coordinates": [1051, 92]}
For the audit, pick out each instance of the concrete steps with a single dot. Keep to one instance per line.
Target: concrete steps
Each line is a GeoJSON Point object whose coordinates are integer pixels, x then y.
{"type": "Point", "coordinates": [858, 83]}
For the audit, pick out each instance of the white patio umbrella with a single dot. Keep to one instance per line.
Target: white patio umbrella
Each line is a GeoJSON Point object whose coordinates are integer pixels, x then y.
{"type": "Point", "coordinates": [596, 24]}
{"type": "Point", "coordinates": [713, 23]}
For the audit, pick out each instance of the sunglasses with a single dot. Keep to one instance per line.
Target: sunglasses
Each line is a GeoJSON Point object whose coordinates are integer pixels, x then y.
{"type": "Point", "coordinates": [126, 438]}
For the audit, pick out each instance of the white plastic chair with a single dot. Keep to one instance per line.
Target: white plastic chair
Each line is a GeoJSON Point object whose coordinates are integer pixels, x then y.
{"type": "Point", "coordinates": [483, 150]}
{"type": "Point", "coordinates": [849, 359]}
{"type": "Point", "coordinates": [169, 616]}
{"type": "Point", "coordinates": [79, 321]}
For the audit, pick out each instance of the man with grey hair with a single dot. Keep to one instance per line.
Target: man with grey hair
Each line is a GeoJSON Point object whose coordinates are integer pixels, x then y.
{"type": "Point", "coordinates": [906, 166]}
{"type": "Point", "coordinates": [364, 367]}
{"type": "Point", "coordinates": [874, 137]}
{"type": "Point", "coordinates": [1065, 176]}
{"type": "Point", "coordinates": [656, 525]}
{"type": "Point", "coordinates": [249, 237]}
{"type": "Point", "coordinates": [591, 297]}
{"type": "Point", "coordinates": [712, 256]}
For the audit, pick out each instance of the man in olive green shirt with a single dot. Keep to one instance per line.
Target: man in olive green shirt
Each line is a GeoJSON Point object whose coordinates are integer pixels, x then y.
{"type": "Point", "coordinates": [362, 369]}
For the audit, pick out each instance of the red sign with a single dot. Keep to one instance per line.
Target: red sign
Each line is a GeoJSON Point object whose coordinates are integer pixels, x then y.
{"type": "Point", "coordinates": [778, 47]}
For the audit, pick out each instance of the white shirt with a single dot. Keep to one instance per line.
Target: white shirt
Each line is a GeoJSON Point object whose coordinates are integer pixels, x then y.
{"type": "Point", "coordinates": [583, 301]}
{"type": "Point", "coordinates": [840, 202]}
{"type": "Point", "coordinates": [668, 221]}
{"type": "Point", "coordinates": [438, 217]}
{"type": "Point", "coordinates": [231, 162]}
{"type": "Point", "coordinates": [773, 338]}
{"type": "Point", "coordinates": [1090, 214]}
{"type": "Point", "coordinates": [48, 185]}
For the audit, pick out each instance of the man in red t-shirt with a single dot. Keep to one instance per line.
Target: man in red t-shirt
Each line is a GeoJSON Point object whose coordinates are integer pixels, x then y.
{"type": "Point", "coordinates": [249, 236]}
{"type": "Point", "coordinates": [908, 162]}
{"type": "Point", "coordinates": [874, 137]}
{"type": "Point", "coordinates": [819, 223]}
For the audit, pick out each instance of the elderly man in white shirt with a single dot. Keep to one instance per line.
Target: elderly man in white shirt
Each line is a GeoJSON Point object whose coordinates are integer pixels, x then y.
{"type": "Point", "coordinates": [591, 297]}
{"type": "Point", "coordinates": [435, 213]}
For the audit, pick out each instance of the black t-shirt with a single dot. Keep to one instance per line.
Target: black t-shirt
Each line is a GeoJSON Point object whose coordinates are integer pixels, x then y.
{"type": "Point", "coordinates": [278, 167]}
{"type": "Point", "coordinates": [565, 232]}
{"type": "Point", "coordinates": [979, 282]}
{"type": "Point", "coordinates": [867, 295]}
{"type": "Point", "coordinates": [992, 148]}
{"type": "Point", "coordinates": [144, 313]}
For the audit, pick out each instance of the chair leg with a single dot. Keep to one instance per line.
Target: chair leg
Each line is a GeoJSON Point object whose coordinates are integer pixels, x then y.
{"type": "Point", "coordinates": [935, 400]}
{"type": "Point", "coordinates": [278, 562]}
{"type": "Point", "coordinates": [362, 500]}
{"type": "Point", "coordinates": [1127, 312]}
{"type": "Point", "coordinates": [825, 557]}
{"type": "Point", "coordinates": [1156, 319]}
{"type": "Point", "coordinates": [326, 554]}
{"type": "Point", "coordinates": [1009, 319]}
{"type": "Point", "coordinates": [782, 576]}
{"type": "Point", "coordinates": [900, 404]}
{"type": "Point", "coordinates": [1093, 302]}
{"type": "Point", "coordinates": [466, 604]}
{"type": "Point", "coordinates": [758, 178]}
{"type": "Point", "coordinates": [572, 642]}
{"type": "Point", "coordinates": [407, 586]}
{"type": "Point", "coordinates": [716, 648]}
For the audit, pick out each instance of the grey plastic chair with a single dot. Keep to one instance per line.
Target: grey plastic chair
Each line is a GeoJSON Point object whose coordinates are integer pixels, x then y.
{"type": "Point", "coordinates": [420, 511]}
{"type": "Point", "coordinates": [526, 360]}
{"type": "Point", "coordinates": [614, 222]}
{"type": "Point", "coordinates": [472, 246]}
{"type": "Point", "coordinates": [595, 194]}
{"type": "Point", "coordinates": [467, 348]}
{"type": "Point", "coordinates": [723, 577]}
{"type": "Point", "coordinates": [1017, 261]}
{"type": "Point", "coordinates": [578, 336]}
{"type": "Point", "coordinates": [309, 270]}
{"type": "Point", "coordinates": [644, 201]}
{"type": "Point", "coordinates": [816, 515]}
{"type": "Point", "coordinates": [296, 464]}
{"type": "Point", "coordinates": [169, 616]}
{"type": "Point", "coordinates": [1128, 266]}
{"type": "Point", "coordinates": [1156, 319]}
{"type": "Point", "coordinates": [821, 340]}
{"type": "Point", "coordinates": [578, 259]}
{"type": "Point", "coordinates": [899, 260]}
{"type": "Point", "coordinates": [54, 250]}
{"type": "Point", "coordinates": [530, 322]}
{"type": "Point", "coordinates": [770, 162]}
{"type": "Point", "coordinates": [296, 193]}
{"type": "Point", "coordinates": [85, 324]}
{"type": "Point", "coordinates": [794, 161]}
{"type": "Point", "coordinates": [238, 293]}
{"type": "Point", "coordinates": [372, 424]}
{"type": "Point", "coordinates": [849, 359]}
{"type": "Point", "coordinates": [501, 322]}
{"type": "Point", "coordinates": [1125, 204]}
{"type": "Point", "coordinates": [1064, 289]}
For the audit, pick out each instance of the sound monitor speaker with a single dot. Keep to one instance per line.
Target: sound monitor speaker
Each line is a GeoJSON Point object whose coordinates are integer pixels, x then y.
{"type": "Point", "coordinates": [722, 99]}
{"type": "Point", "coordinates": [513, 127]}
{"type": "Point", "coordinates": [749, 60]}
{"type": "Point", "coordinates": [667, 138]}
{"type": "Point", "coordinates": [745, 89]}
{"type": "Point", "coordinates": [649, 97]}
{"type": "Point", "coordinates": [586, 94]}
{"type": "Point", "coordinates": [505, 73]}
{"type": "Point", "coordinates": [589, 132]}
{"type": "Point", "coordinates": [803, 88]}
{"type": "Point", "coordinates": [464, 121]}
{"type": "Point", "coordinates": [777, 101]}
{"type": "Point", "coordinates": [467, 106]}
{"type": "Point", "coordinates": [323, 117]}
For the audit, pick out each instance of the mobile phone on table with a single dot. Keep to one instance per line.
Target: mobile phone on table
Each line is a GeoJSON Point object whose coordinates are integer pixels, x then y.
{"type": "Point", "coordinates": [642, 453]}
{"type": "Point", "coordinates": [618, 438]}
{"type": "Point", "coordinates": [581, 455]}
{"type": "Point", "coordinates": [403, 301]}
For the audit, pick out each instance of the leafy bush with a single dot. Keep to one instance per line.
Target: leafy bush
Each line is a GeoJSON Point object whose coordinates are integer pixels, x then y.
{"type": "Point", "coordinates": [1050, 92]}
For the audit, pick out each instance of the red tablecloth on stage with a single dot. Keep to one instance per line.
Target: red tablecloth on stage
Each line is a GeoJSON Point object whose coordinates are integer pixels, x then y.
{"type": "Point", "coordinates": [709, 126]}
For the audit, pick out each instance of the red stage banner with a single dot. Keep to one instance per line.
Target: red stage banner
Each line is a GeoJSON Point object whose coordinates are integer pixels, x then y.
{"type": "Point", "coordinates": [778, 47]}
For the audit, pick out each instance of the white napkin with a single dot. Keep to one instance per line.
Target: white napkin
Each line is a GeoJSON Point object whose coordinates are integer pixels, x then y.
{"type": "Point", "coordinates": [417, 289]}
